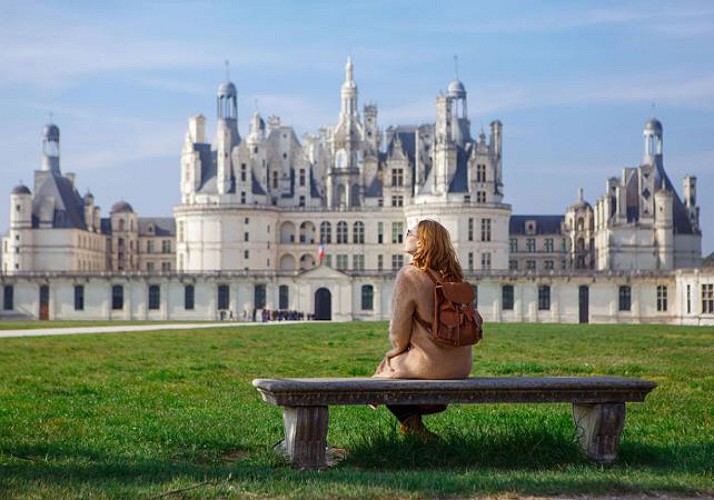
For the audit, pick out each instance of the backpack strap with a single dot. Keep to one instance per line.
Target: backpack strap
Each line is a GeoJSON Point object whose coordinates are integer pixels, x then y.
{"type": "Point", "coordinates": [422, 322]}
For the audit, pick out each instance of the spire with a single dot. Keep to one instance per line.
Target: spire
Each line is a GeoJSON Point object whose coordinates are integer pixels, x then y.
{"type": "Point", "coordinates": [348, 69]}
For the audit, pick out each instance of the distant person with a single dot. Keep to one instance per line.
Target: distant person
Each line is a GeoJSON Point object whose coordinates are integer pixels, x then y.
{"type": "Point", "coordinates": [414, 354]}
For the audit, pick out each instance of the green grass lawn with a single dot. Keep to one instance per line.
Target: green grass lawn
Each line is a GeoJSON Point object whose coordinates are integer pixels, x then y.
{"type": "Point", "coordinates": [172, 414]}
{"type": "Point", "coordinates": [35, 325]}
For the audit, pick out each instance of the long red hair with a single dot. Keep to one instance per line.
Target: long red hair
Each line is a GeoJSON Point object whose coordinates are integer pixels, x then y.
{"type": "Point", "coordinates": [435, 251]}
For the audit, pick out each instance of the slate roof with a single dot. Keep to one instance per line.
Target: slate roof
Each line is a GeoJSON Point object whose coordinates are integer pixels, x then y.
{"type": "Point", "coordinates": [69, 205]}
{"type": "Point", "coordinates": [163, 226]}
{"type": "Point", "coordinates": [460, 181]}
{"type": "Point", "coordinates": [545, 224]}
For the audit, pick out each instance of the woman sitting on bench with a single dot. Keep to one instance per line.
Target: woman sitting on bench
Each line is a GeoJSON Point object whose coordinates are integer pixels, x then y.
{"type": "Point", "coordinates": [414, 354]}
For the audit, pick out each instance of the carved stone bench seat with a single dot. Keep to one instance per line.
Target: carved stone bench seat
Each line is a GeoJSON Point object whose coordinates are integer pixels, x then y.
{"type": "Point", "coordinates": [598, 404]}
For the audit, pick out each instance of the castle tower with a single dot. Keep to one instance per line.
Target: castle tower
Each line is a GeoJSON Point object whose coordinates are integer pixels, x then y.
{"type": "Point", "coordinates": [456, 93]}
{"type": "Point", "coordinates": [227, 136]}
{"type": "Point", "coordinates": [51, 148]}
{"type": "Point", "coordinates": [654, 149]}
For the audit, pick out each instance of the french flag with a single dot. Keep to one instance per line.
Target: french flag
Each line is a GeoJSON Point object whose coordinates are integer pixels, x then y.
{"type": "Point", "coordinates": [321, 251]}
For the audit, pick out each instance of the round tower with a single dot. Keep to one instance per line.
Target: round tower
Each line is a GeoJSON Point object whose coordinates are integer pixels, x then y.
{"type": "Point", "coordinates": [21, 207]}
{"type": "Point", "coordinates": [664, 228]}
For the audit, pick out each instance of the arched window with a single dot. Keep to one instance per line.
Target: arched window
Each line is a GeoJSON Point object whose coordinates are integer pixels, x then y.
{"type": "Point", "coordinates": [325, 232]}
{"type": "Point", "coordinates": [358, 232]}
{"type": "Point", "coordinates": [341, 232]}
{"type": "Point", "coordinates": [367, 297]}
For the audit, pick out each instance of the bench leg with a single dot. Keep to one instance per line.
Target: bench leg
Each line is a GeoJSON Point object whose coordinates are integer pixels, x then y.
{"type": "Point", "coordinates": [599, 427]}
{"type": "Point", "coordinates": [306, 435]}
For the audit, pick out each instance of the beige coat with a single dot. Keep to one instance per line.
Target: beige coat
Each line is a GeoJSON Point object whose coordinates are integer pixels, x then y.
{"type": "Point", "coordinates": [414, 354]}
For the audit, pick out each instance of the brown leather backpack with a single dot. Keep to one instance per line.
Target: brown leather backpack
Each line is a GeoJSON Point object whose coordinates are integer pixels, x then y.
{"type": "Point", "coordinates": [456, 322]}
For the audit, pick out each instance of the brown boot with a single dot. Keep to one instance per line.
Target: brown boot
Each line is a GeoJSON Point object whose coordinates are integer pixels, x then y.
{"type": "Point", "coordinates": [413, 426]}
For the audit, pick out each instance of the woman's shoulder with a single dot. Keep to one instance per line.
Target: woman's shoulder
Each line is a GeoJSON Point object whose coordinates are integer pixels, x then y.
{"type": "Point", "coordinates": [411, 273]}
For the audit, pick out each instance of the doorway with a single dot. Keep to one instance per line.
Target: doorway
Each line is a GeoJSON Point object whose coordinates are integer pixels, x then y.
{"type": "Point", "coordinates": [323, 304]}
{"type": "Point", "coordinates": [583, 303]}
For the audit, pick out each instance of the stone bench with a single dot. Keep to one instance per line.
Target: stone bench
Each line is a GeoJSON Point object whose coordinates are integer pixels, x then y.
{"type": "Point", "coordinates": [598, 404]}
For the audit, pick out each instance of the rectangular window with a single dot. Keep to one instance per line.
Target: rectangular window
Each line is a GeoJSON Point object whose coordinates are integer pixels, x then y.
{"type": "Point", "coordinates": [471, 261]}
{"type": "Point", "coordinates": [397, 232]}
{"type": "Point", "coordinates": [342, 262]}
{"type": "Point", "coordinates": [150, 267]}
{"type": "Point", "coordinates": [117, 297]}
{"type": "Point", "coordinates": [166, 246]}
{"type": "Point", "coordinates": [79, 297]}
{"type": "Point", "coordinates": [625, 298]}
{"type": "Point", "coordinates": [530, 245]}
{"type": "Point", "coordinates": [708, 298]}
{"type": "Point", "coordinates": [543, 297]}
{"type": "Point", "coordinates": [367, 297]}
{"type": "Point", "coordinates": [150, 246]}
{"type": "Point", "coordinates": [380, 262]}
{"type": "Point", "coordinates": [481, 196]}
{"type": "Point", "coordinates": [486, 260]}
{"type": "Point", "coordinates": [397, 261]}
{"type": "Point", "coordinates": [189, 297]}
{"type": "Point", "coordinates": [242, 197]}
{"type": "Point", "coordinates": [243, 172]}
{"type": "Point", "coordinates": [8, 298]}
{"type": "Point", "coordinates": [246, 254]}
{"type": "Point", "coordinates": [470, 229]}
{"type": "Point", "coordinates": [302, 177]}
{"type": "Point", "coordinates": [563, 245]}
{"type": "Point", "coordinates": [397, 201]}
{"type": "Point", "coordinates": [154, 297]}
{"type": "Point", "coordinates": [467, 198]}
{"type": "Point", "coordinates": [549, 264]}
{"type": "Point", "coordinates": [531, 265]}
{"type": "Point", "coordinates": [689, 299]}
{"type": "Point", "coordinates": [549, 245]}
{"type": "Point", "coordinates": [507, 297]}
{"type": "Point", "coordinates": [166, 266]}
{"type": "Point", "coordinates": [246, 236]}
{"type": "Point", "coordinates": [301, 201]}
{"type": "Point", "coordinates": [397, 177]}
{"type": "Point", "coordinates": [485, 229]}
{"type": "Point", "coordinates": [259, 296]}
{"type": "Point", "coordinates": [480, 173]}
{"type": "Point", "coordinates": [380, 232]}
{"type": "Point", "coordinates": [513, 245]}
{"type": "Point", "coordinates": [328, 260]}
{"type": "Point", "coordinates": [224, 297]}
{"type": "Point", "coordinates": [283, 297]}
{"type": "Point", "coordinates": [661, 298]}
{"type": "Point", "coordinates": [513, 264]}
{"type": "Point", "coordinates": [358, 262]}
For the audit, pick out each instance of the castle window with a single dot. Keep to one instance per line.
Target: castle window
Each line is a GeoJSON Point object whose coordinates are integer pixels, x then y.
{"type": "Point", "coordinates": [707, 298]}
{"type": "Point", "coordinates": [358, 232]}
{"type": "Point", "coordinates": [154, 297]}
{"type": "Point", "coordinates": [301, 201]}
{"type": "Point", "coordinates": [549, 264]}
{"type": "Point", "coordinates": [397, 201]}
{"type": "Point", "coordinates": [341, 232]}
{"type": "Point", "coordinates": [481, 196]}
{"type": "Point", "coordinates": [397, 232]}
{"type": "Point", "coordinates": [149, 267]}
{"type": "Point", "coordinates": [259, 296]}
{"type": "Point", "coordinates": [397, 261]}
{"type": "Point", "coordinates": [480, 173]}
{"type": "Point", "coordinates": [224, 297]}
{"type": "Point", "coordinates": [531, 265]}
{"type": "Point", "coordinates": [507, 297]}
{"type": "Point", "coordinates": [166, 266]}
{"type": "Point", "coordinates": [275, 180]}
{"type": "Point", "coordinates": [165, 246]}
{"type": "Point", "coordinates": [471, 261]}
{"type": "Point", "coordinates": [543, 297]}
{"type": "Point", "coordinates": [358, 262]}
{"type": "Point", "coordinates": [380, 202]}
{"type": "Point", "coordinates": [246, 236]}
{"type": "Point", "coordinates": [661, 298]}
{"type": "Point", "coordinates": [367, 297]}
{"type": "Point", "coordinates": [302, 176]}
{"type": "Point", "coordinates": [380, 232]}
{"type": "Point", "coordinates": [242, 197]}
{"type": "Point", "coordinates": [79, 298]}
{"type": "Point", "coordinates": [513, 245]}
{"type": "Point", "coordinates": [549, 245]}
{"type": "Point", "coordinates": [625, 298]}
{"type": "Point", "coordinates": [380, 262]}
{"type": "Point", "coordinates": [485, 229]}
{"type": "Point", "coordinates": [471, 229]}
{"type": "Point", "coordinates": [243, 172]}
{"type": "Point", "coordinates": [189, 297]}
{"type": "Point", "coordinates": [531, 245]}
{"type": "Point", "coordinates": [486, 260]}
{"type": "Point", "coordinates": [342, 262]}
{"type": "Point", "coordinates": [513, 264]}
{"type": "Point", "coordinates": [117, 297]}
{"type": "Point", "coordinates": [150, 246]}
{"type": "Point", "coordinates": [397, 177]}
{"type": "Point", "coordinates": [325, 232]}
{"type": "Point", "coordinates": [283, 297]}
{"type": "Point", "coordinates": [8, 298]}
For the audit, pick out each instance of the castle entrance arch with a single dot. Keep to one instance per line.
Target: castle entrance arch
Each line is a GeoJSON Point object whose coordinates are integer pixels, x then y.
{"type": "Point", "coordinates": [323, 304]}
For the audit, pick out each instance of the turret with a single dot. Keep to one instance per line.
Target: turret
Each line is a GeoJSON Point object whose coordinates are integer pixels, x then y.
{"type": "Point", "coordinates": [51, 148]}
{"type": "Point", "coordinates": [664, 232]}
{"type": "Point", "coordinates": [654, 149]}
{"type": "Point", "coordinates": [21, 208]}
{"type": "Point", "coordinates": [690, 200]}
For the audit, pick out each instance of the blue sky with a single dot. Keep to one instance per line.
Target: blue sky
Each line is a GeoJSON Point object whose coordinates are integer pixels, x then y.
{"type": "Point", "coordinates": [572, 82]}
